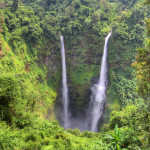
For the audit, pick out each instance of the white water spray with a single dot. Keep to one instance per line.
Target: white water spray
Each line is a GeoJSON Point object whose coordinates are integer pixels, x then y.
{"type": "Point", "coordinates": [64, 84]}
{"type": "Point", "coordinates": [99, 91]}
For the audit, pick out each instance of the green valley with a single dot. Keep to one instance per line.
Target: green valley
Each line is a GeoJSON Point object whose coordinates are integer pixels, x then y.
{"type": "Point", "coordinates": [31, 106]}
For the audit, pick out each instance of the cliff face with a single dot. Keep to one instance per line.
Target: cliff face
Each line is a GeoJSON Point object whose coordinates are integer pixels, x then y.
{"type": "Point", "coordinates": [49, 55]}
{"type": "Point", "coordinates": [83, 59]}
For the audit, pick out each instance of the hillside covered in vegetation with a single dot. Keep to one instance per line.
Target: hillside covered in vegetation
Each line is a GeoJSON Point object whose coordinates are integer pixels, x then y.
{"type": "Point", "coordinates": [30, 73]}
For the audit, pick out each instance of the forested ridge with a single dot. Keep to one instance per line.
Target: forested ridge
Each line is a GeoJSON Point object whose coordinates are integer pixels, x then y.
{"type": "Point", "coordinates": [30, 73]}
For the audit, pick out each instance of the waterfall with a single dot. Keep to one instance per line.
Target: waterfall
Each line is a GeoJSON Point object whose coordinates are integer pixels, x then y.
{"type": "Point", "coordinates": [65, 98]}
{"type": "Point", "coordinates": [99, 91]}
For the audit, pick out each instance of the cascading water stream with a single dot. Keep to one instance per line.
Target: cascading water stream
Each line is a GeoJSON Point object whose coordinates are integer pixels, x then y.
{"type": "Point", "coordinates": [64, 85]}
{"type": "Point", "coordinates": [99, 91]}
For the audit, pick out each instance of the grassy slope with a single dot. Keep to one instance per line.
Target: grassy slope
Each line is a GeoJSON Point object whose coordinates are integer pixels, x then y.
{"type": "Point", "coordinates": [36, 93]}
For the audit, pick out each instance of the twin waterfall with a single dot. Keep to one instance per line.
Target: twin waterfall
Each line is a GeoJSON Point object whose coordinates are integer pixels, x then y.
{"type": "Point", "coordinates": [65, 97]}
{"type": "Point", "coordinates": [98, 97]}
{"type": "Point", "coordinates": [99, 91]}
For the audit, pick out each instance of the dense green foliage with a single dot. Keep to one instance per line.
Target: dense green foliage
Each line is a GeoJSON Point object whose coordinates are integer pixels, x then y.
{"type": "Point", "coordinates": [30, 72]}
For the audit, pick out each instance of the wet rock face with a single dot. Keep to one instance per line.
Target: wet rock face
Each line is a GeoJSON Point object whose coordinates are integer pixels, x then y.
{"type": "Point", "coordinates": [83, 55]}
{"type": "Point", "coordinates": [52, 61]}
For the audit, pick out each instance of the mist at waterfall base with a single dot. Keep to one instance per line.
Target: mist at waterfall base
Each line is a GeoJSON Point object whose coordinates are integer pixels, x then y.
{"type": "Point", "coordinates": [90, 121]}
